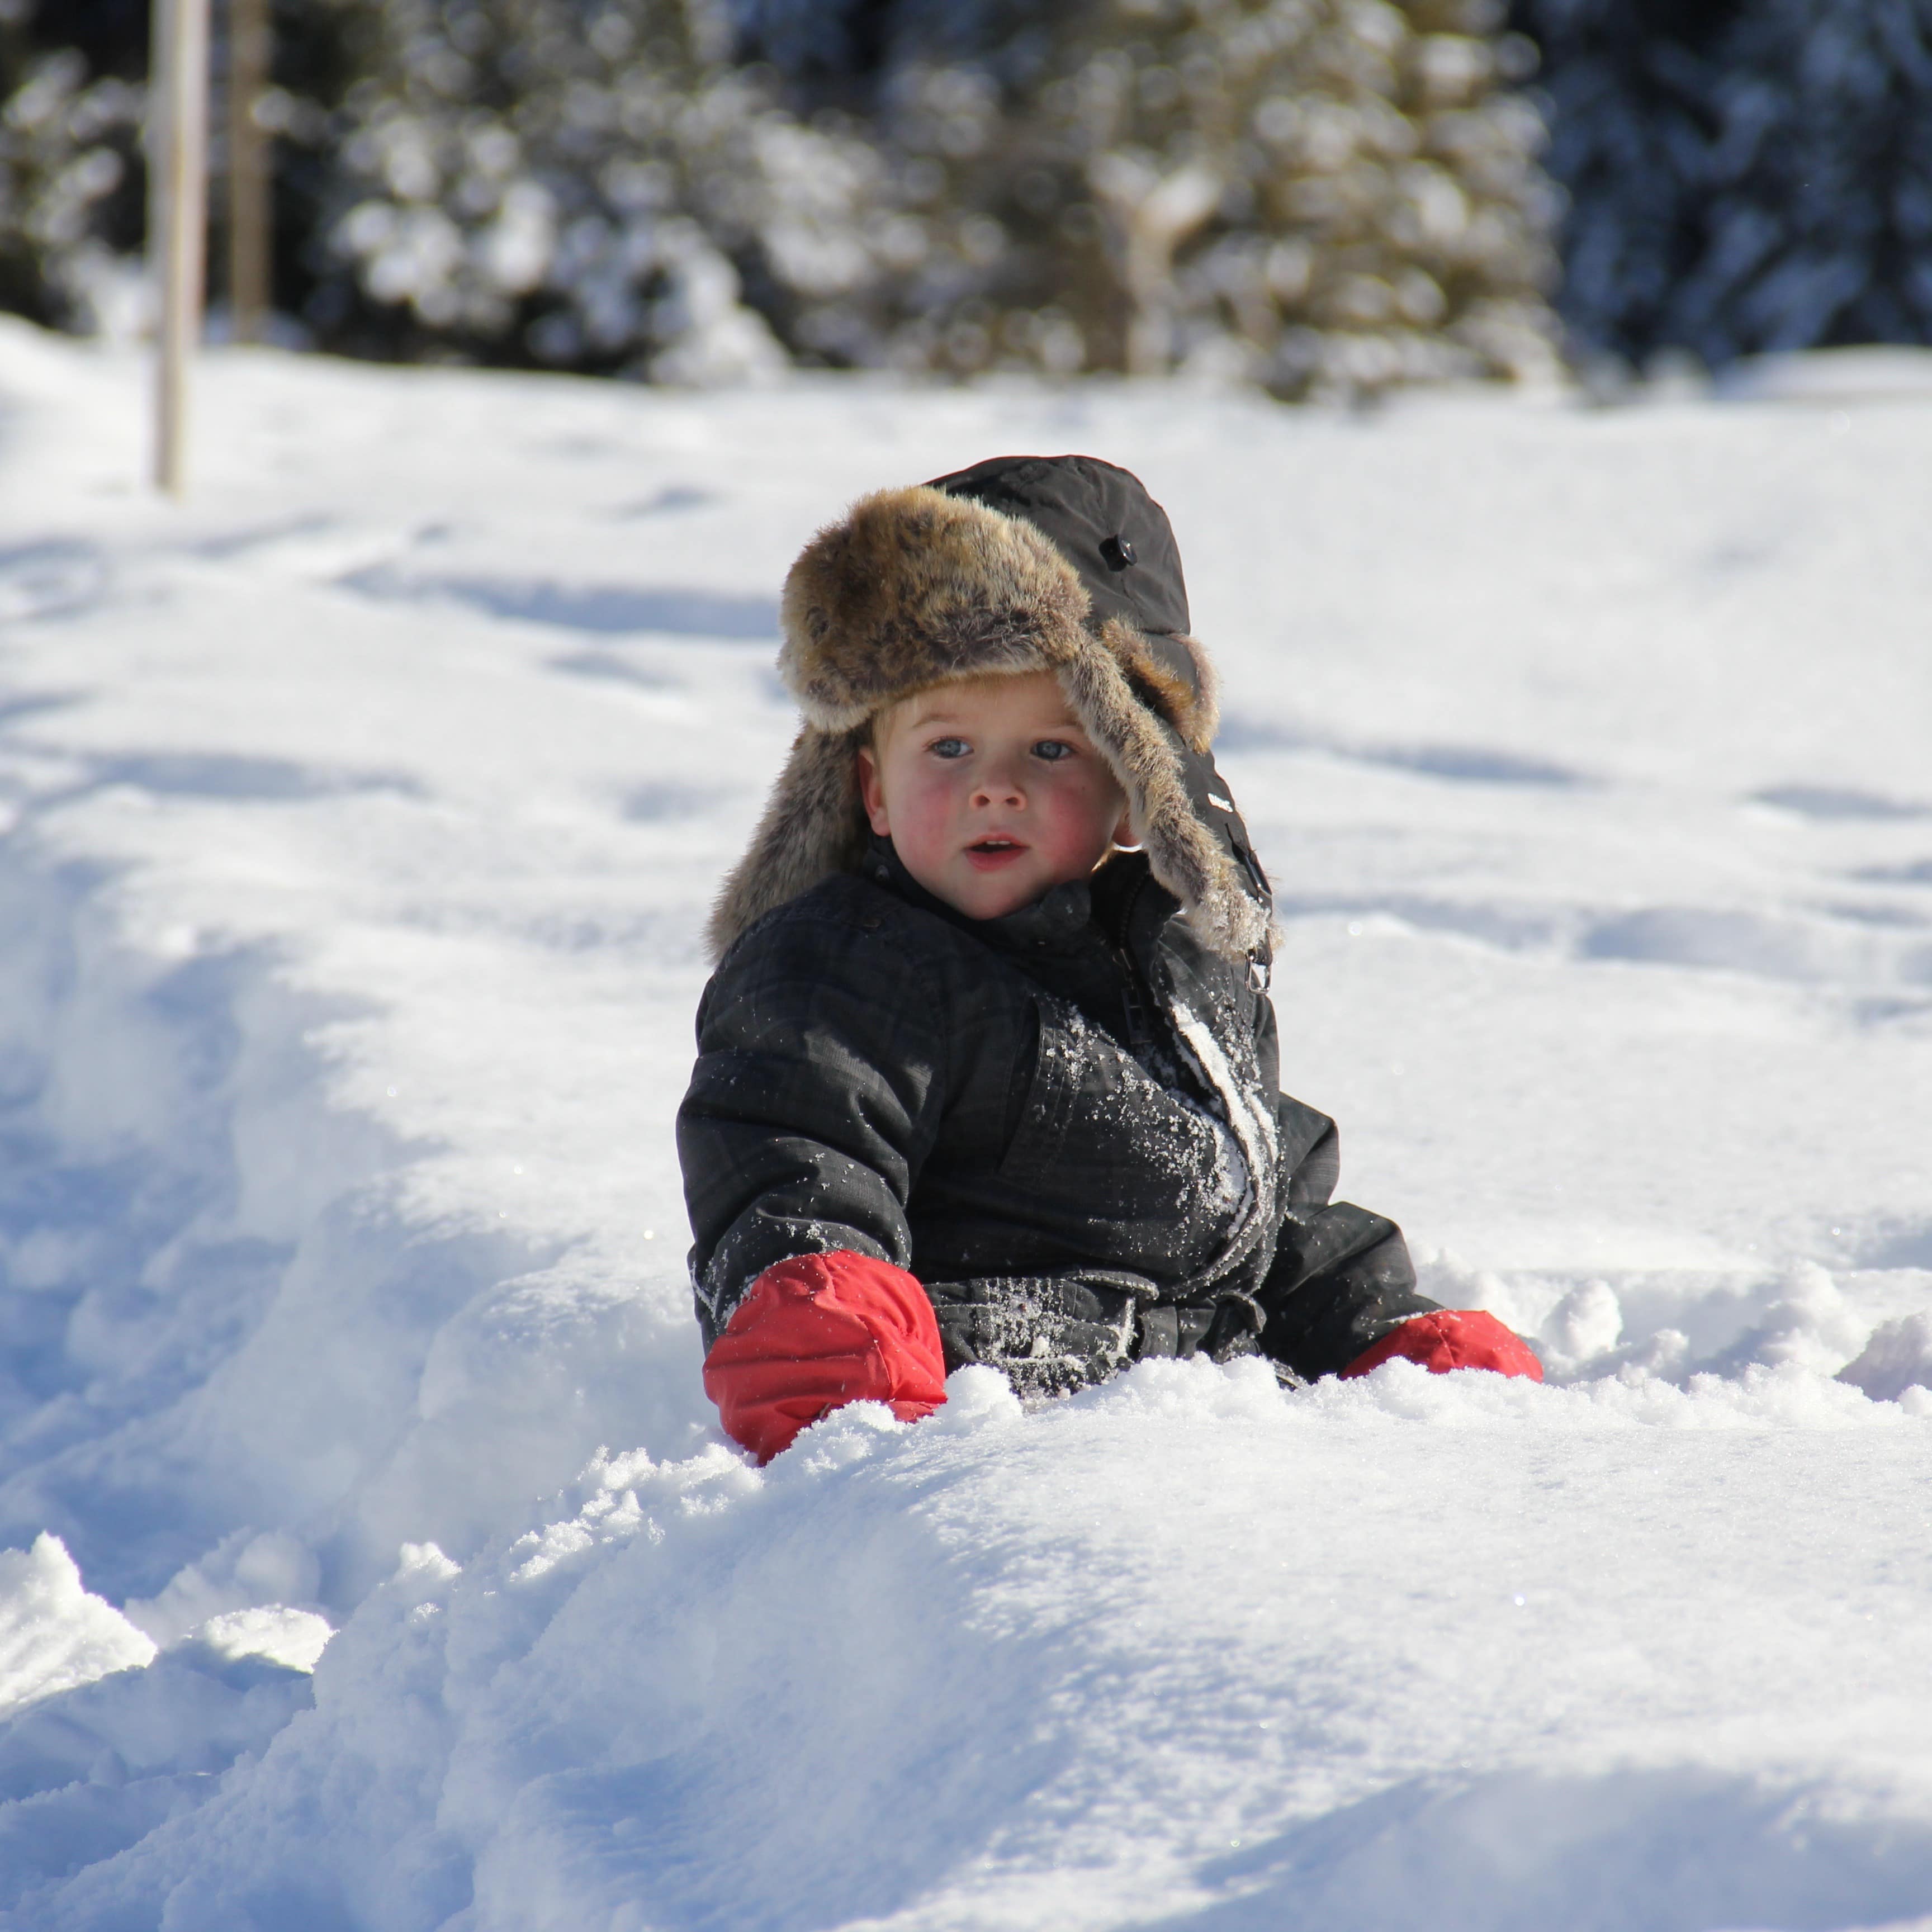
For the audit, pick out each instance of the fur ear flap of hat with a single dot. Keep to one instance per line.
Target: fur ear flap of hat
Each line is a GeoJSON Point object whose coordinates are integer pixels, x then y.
{"type": "Point", "coordinates": [916, 586]}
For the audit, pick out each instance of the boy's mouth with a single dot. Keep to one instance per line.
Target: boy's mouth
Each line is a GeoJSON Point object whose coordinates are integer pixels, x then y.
{"type": "Point", "coordinates": [985, 854]}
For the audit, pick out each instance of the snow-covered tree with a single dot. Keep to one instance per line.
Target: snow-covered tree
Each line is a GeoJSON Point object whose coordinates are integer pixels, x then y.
{"type": "Point", "coordinates": [1326, 195]}
{"type": "Point", "coordinates": [1329, 195]}
{"type": "Point", "coordinates": [70, 179]}
{"type": "Point", "coordinates": [1818, 228]}
{"type": "Point", "coordinates": [1632, 88]}
{"type": "Point", "coordinates": [1741, 177]}
{"type": "Point", "coordinates": [589, 184]}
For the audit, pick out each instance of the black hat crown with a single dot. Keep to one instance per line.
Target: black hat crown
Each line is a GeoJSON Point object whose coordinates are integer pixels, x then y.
{"type": "Point", "coordinates": [1101, 519]}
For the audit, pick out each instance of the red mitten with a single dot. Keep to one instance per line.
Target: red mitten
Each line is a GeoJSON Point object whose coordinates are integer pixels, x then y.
{"type": "Point", "coordinates": [815, 1332]}
{"type": "Point", "coordinates": [1452, 1338]}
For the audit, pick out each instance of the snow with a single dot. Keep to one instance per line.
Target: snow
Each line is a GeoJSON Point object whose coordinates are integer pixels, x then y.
{"type": "Point", "coordinates": [372, 1558]}
{"type": "Point", "coordinates": [53, 1635]}
{"type": "Point", "coordinates": [1865, 373]}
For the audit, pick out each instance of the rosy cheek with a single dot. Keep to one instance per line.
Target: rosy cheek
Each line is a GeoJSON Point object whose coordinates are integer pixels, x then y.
{"type": "Point", "coordinates": [927, 803]}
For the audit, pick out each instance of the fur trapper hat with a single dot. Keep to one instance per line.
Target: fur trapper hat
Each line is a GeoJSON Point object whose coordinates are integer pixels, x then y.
{"type": "Point", "coordinates": [1022, 564]}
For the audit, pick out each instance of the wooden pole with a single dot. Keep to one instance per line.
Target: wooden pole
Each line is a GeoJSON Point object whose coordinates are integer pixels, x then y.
{"type": "Point", "coordinates": [183, 80]}
{"type": "Point", "coordinates": [248, 181]}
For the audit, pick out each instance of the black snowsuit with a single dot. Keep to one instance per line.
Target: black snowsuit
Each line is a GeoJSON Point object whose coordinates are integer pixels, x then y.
{"type": "Point", "coordinates": [1066, 1123]}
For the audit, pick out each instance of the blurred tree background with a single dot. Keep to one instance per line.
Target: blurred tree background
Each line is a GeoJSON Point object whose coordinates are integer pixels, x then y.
{"type": "Point", "coordinates": [71, 183]}
{"type": "Point", "coordinates": [1326, 196]}
{"type": "Point", "coordinates": [1741, 175]}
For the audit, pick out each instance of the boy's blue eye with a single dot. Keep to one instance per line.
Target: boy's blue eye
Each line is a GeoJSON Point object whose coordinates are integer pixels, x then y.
{"type": "Point", "coordinates": [1052, 750]}
{"type": "Point", "coordinates": [949, 748]}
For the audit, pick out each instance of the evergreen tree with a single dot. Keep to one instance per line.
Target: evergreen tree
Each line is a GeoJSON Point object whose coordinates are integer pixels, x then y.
{"type": "Point", "coordinates": [72, 181]}
{"type": "Point", "coordinates": [1741, 178]}
{"type": "Point", "coordinates": [1329, 196]}
{"type": "Point", "coordinates": [1632, 92]}
{"type": "Point", "coordinates": [589, 184]}
{"type": "Point", "coordinates": [1818, 229]}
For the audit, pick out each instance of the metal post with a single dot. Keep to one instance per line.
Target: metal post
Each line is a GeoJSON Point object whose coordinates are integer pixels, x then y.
{"type": "Point", "coordinates": [183, 83]}
{"type": "Point", "coordinates": [248, 180]}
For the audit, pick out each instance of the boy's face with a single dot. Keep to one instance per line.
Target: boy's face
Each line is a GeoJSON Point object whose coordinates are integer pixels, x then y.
{"type": "Point", "coordinates": [990, 792]}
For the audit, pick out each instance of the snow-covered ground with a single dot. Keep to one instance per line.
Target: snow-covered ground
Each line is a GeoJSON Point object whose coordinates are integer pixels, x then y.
{"type": "Point", "coordinates": [362, 816]}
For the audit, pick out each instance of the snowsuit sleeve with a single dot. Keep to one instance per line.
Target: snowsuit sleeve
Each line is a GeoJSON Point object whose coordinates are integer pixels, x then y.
{"type": "Point", "coordinates": [815, 1100]}
{"type": "Point", "coordinates": [1342, 1278]}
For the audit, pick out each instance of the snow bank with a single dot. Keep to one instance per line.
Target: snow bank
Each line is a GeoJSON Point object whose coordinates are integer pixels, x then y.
{"type": "Point", "coordinates": [1895, 1364]}
{"type": "Point", "coordinates": [53, 1635]}
{"type": "Point", "coordinates": [1140, 1649]}
{"type": "Point", "coordinates": [1868, 374]}
{"type": "Point", "coordinates": [362, 819]}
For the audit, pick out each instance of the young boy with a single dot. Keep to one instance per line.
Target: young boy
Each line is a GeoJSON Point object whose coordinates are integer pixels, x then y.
{"type": "Point", "coordinates": [988, 1069]}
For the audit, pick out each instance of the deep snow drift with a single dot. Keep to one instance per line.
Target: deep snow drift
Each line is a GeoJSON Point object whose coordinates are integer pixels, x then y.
{"type": "Point", "coordinates": [362, 817]}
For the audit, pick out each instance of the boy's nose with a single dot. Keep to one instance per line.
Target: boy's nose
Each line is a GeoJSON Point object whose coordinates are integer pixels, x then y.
{"type": "Point", "coordinates": [999, 788]}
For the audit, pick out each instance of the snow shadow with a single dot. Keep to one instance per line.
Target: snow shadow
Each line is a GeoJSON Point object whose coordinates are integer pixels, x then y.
{"type": "Point", "coordinates": [232, 776]}
{"type": "Point", "coordinates": [717, 1717]}
{"type": "Point", "coordinates": [121, 1292]}
{"type": "Point", "coordinates": [222, 1309]}
{"type": "Point", "coordinates": [661, 502]}
{"type": "Point", "coordinates": [1899, 1248]}
{"type": "Point", "coordinates": [612, 609]}
{"type": "Point", "coordinates": [36, 704]}
{"type": "Point", "coordinates": [55, 577]}
{"type": "Point", "coordinates": [87, 1774]}
{"type": "Point", "coordinates": [1850, 946]}
{"type": "Point", "coordinates": [1513, 930]}
{"type": "Point", "coordinates": [1894, 918]}
{"type": "Point", "coordinates": [1833, 947]}
{"type": "Point", "coordinates": [213, 1315]}
{"type": "Point", "coordinates": [1741, 942]}
{"type": "Point", "coordinates": [240, 1385]}
{"type": "Point", "coordinates": [97, 1330]}
{"type": "Point", "coordinates": [1465, 764]}
{"type": "Point", "coordinates": [1459, 764]}
{"type": "Point", "coordinates": [609, 667]}
{"type": "Point", "coordinates": [1831, 801]}
{"type": "Point", "coordinates": [239, 543]}
{"type": "Point", "coordinates": [654, 804]}
{"type": "Point", "coordinates": [238, 778]}
{"type": "Point", "coordinates": [1673, 1850]}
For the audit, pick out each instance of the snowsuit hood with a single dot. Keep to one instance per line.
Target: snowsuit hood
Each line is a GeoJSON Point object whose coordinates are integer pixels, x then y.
{"type": "Point", "coordinates": [1062, 564]}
